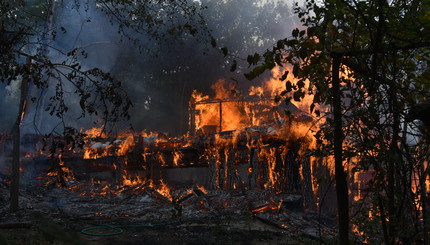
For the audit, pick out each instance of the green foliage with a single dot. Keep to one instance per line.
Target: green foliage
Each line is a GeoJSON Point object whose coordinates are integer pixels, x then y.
{"type": "Point", "coordinates": [384, 47]}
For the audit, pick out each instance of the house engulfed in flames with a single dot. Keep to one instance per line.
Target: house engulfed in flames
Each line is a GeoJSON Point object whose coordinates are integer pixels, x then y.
{"type": "Point", "coordinates": [234, 141]}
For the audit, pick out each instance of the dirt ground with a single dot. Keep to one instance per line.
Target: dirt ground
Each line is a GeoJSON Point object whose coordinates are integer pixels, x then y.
{"type": "Point", "coordinates": [241, 229]}
{"type": "Point", "coordinates": [141, 215]}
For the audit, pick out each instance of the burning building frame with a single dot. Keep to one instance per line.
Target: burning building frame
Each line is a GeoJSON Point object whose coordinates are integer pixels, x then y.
{"type": "Point", "coordinates": [242, 153]}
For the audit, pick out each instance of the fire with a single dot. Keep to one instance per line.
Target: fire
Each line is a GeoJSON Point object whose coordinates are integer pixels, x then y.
{"type": "Point", "coordinates": [101, 147]}
{"type": "Point", "coordinates": [272, 87]}
{"type": "Point", "coordinates": [96, 133]}
{"type": "Point", "coordinates": [177, 157]}
{"type": "Point", "coordinates": [202, 189]}
{"type": "Point", "coordinates": [226, 130]}
{"type": "Point", "coordinates": [125, 146]}
{"type": "Point", "coordinates": [273, 175]}
{"type": "Point", "coordinates": [231, 110]}
{"type": "Point", "coordinates": [164, 190]}
{"type": "Point", "coordinates": [128, 181]}
{"type": "Point", "coordinates": [60, 174]}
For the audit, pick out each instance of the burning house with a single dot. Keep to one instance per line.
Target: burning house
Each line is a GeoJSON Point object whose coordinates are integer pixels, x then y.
{"type": "Point", "coordinates": [236, 143]}
{"type": "Point", "coordinates": [233, 142]}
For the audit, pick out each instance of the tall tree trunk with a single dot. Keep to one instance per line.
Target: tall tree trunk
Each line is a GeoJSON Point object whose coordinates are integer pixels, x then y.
{"type": "Point", "coordinates": [393, 176]}
{"type": "Point", "coordinates": [14, 187]}
{"type": "Point", "coordinates": [309, 196]}
{"type": "Point", "coordinates": [340, 176]}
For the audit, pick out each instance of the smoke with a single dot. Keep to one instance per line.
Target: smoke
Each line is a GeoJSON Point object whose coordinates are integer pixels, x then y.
{"type": "Point", "coordinates": [162, 84]}
{"type": "Point", "coordinates": [75, 25]}
{"type": "Point", "coordinates": [160, 77]}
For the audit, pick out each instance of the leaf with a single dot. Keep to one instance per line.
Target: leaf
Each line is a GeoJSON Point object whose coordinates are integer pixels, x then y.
{"type": "Point", "coordinates": [278, 58]}
{"type": "Point", "coordinates": [280, 44]}
{"type": "Point", "coordinates": [259, 70]}
{"type": "Point", "coordinates": [295, 33]}
{"type": "Point", "coordinates": [298, 95]}
{"type": "Point", "coordinates": [292, 42]}
{"type": "Point", "coordinates": [277, 99]}
{"type": "Point", "coordinates": [284, 76]}
{"type": "Point", "coordinates": [300, 83]}
{"type": "Point", "coordinates": [312, 107]}
{"type": "Point", "coordinates": [268, 57]}
{"type": "Point", "coordinates": [234, 66]}
{"type": "Point", "coordinates": [224, 51]}
{"type": "Point", "coordinates": [253, 59]}
{"type": "Point", "coordinates": [213, 42]}
{"type": "Point", "coordinates": [302, 33]}
{"type": "Point", "coordinates": [288, 86]}
{"type": "Point", "coordinates": [296, 69]}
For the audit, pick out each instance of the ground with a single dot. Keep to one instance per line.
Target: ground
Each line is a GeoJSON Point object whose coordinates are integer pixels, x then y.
{"type": "Point", "coordinates": [245, 230]}
{"type": "Point", "coordinates": [54, 215]}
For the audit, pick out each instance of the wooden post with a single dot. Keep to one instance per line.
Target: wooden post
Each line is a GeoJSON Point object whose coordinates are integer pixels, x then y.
{"type": "Point", "coordinates": [263, 173]}
{"type": "Point", "coordinates": [153, 168]}
{"type": "Point", "coordinates": [220, 116]}
{"type": "Point", "coordinates": [212, 170]}
{"type": "Point", "coordinates": [292, 169]}
{"type": "Point", "coordinates": [119, 171]}
{"type": "Point", "coordinates": [253, 168]}
{"type": "Point", "coordinates": [230, 168]}
{"type": "Point", "coordinates": [221, 169]}
{"type": "Point", "coordinates": [280, 169]}
{"type": "Point", "coordinates": [192, 119]}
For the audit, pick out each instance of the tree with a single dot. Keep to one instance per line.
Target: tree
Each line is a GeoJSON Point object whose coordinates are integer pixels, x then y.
{"type": "Point", "coordinates": [32, 55]}
{"type": "Point", "coordinates": [369, 61]}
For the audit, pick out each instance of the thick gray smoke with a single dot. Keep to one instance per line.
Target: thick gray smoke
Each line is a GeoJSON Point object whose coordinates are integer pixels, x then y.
{"type": "Point", "coordinates": [160, 77]}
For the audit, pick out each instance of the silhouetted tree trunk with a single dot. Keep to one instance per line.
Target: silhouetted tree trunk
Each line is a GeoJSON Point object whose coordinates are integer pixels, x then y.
{"type": "Point", "coordinates": [341, 184]}
{"type": "Point", "coordinates": [308, 194]}
{"type": "Point", "coordinates": [14, 187]}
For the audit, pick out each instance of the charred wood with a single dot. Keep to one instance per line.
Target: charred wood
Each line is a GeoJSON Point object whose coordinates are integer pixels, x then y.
{"type": "Point", "coordinates": [293, 181]}
{"type": "Point", "coordinates": [253, 168]}
{"type": "Point", "coordinates": [231, 159]}
{"type": "Point", "coordinates": [212, 185]}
